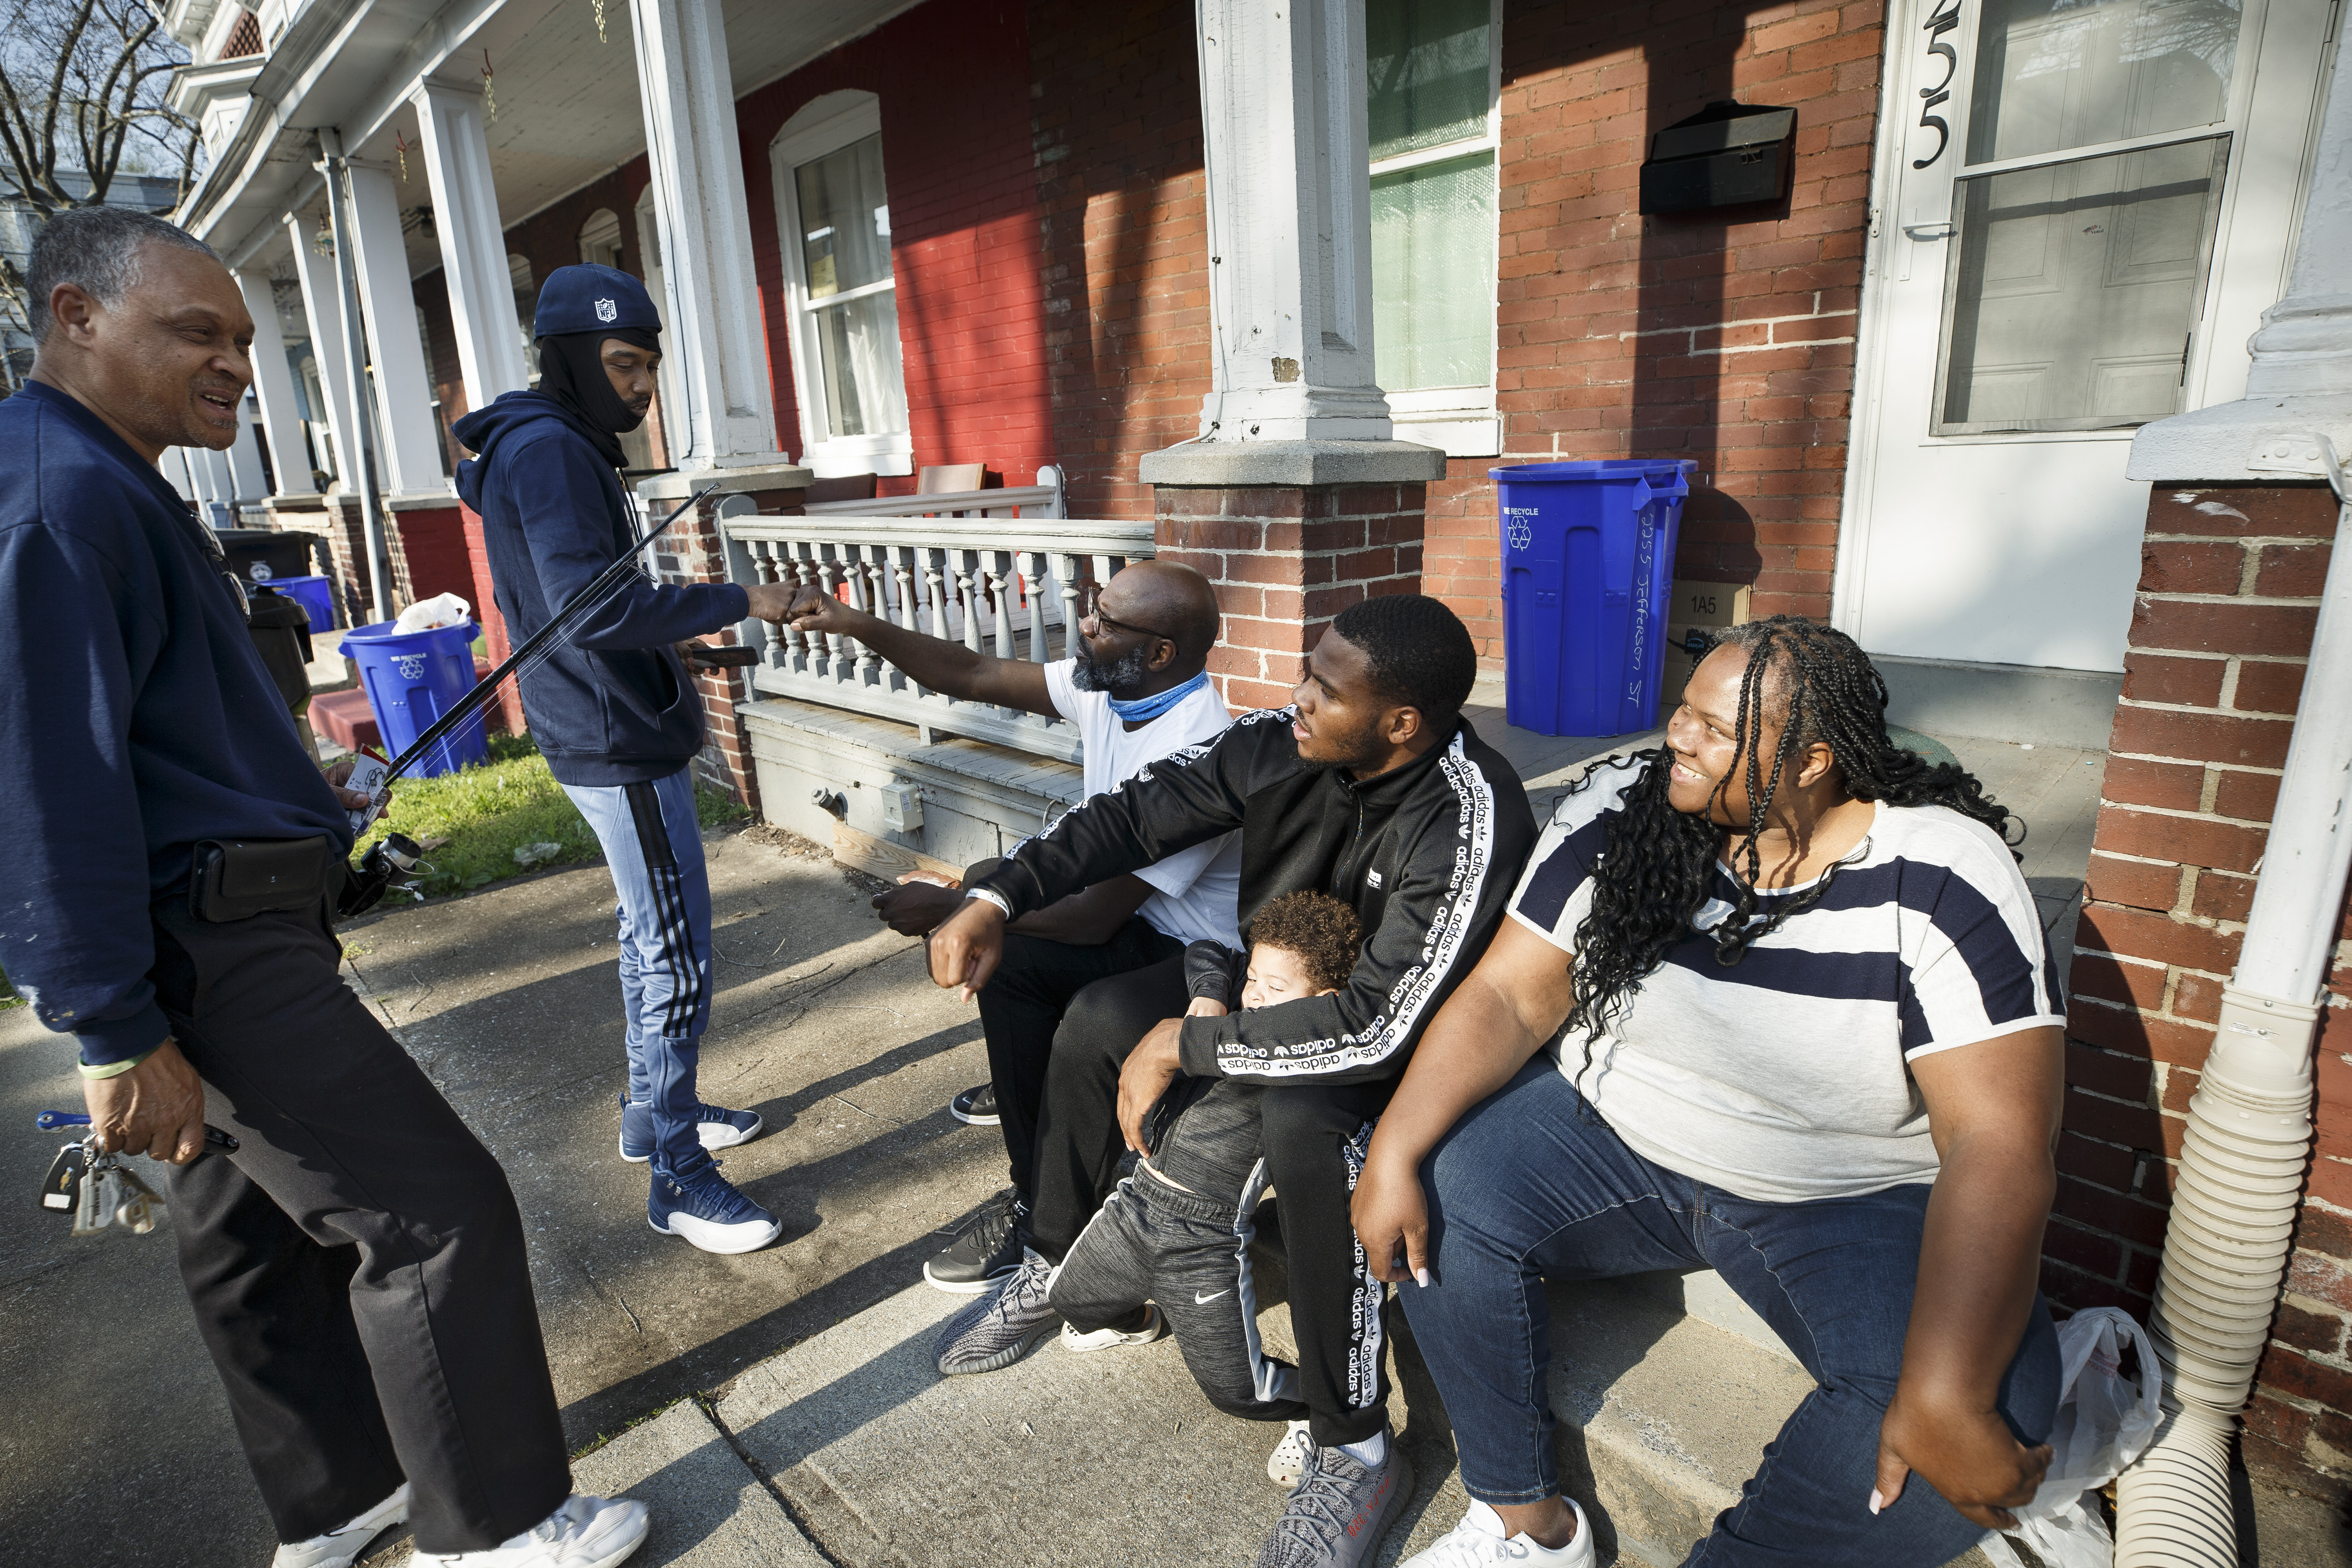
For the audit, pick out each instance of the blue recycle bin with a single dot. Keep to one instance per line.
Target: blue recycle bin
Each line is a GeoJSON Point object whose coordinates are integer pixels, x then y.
{"type": "Point", "coordinates": [316, 594]}
{"type": "Point", "coordinates": [411, 679]}
{"type": "Point", "coordinates": [1588, 563]}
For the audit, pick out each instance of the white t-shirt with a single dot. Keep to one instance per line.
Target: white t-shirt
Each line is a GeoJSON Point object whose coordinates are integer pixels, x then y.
{"type": "Point", "coordinates": [1785, 1077]}
{"type": "Point", "coordinates": [1194, 891]}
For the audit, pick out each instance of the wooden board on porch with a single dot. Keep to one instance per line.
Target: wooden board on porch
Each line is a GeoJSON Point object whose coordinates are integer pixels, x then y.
{"type": "Point", "coordinates": [861, 851]}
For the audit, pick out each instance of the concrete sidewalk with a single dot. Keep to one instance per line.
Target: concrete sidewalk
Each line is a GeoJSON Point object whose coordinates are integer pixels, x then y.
{"type": "Point", "coordinates": [780, 1407]}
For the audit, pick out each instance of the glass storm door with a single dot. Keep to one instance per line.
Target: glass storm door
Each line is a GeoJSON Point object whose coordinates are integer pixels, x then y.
{"type": "Point", "coordinates": [2086, 205]}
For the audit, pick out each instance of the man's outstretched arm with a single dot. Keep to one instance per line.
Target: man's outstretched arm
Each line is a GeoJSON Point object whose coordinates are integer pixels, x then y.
{"type": "Point", "coordinates": [935, 662]}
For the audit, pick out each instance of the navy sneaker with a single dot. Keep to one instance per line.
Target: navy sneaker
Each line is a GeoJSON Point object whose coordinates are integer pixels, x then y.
{"type": "Point", "coordinates": [707, 1210]}
{"type": "Point", "coordinates": [718, 1127]}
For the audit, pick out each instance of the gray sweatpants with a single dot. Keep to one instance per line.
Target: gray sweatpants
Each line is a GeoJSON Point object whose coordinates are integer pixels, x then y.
{"type": "Point", "coordinates": [1188, 1252]}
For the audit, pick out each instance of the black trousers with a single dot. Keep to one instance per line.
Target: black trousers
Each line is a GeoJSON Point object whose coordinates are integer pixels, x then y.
{"type": "Point", "coordinates": [1315, 1139]}
{"type": "Point", "coordinates": [358, 1267]}
{"type": "Point", "coordinates": [1024, 1006]}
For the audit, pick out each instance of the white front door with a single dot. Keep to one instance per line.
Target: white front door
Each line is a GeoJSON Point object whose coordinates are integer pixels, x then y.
{"type": "Point", "coordinates": [2084, 207]}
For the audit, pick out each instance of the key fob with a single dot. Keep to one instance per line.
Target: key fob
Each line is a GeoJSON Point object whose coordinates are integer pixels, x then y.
{"type": "Point", "coordinates": [94, 1209]}
{"type": "Point", "coordinates": [61, 1188]}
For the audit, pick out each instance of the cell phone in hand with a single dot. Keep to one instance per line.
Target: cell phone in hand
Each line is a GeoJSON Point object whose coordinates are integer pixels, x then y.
{"type": "Point", "coordinates": [724, 658]}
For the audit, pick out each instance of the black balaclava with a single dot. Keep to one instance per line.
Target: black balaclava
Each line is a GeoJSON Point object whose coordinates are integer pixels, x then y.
{"type": "Point", "coordinates": [572, 372]}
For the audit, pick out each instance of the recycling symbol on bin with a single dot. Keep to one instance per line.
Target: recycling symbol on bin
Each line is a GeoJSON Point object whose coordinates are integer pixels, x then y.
{"type": "Point", "coordinates": [410, 665]}
{"type": "Point", "coordinates": [1521, 535]}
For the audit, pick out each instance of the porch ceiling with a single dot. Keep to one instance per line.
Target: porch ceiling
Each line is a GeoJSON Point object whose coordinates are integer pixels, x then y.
{"type": "Point", "coordinates": [568, 108]}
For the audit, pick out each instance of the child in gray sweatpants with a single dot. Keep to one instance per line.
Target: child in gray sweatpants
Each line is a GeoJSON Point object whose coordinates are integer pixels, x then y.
{"type": "Point", "coordinates": [1173, 1238]}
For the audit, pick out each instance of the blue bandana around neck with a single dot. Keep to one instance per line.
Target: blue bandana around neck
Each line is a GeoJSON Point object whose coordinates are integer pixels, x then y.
{"type": "Point", "coordinates": [1153, 707]}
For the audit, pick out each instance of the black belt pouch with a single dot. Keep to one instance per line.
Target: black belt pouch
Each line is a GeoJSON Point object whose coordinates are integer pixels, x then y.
{"type": "Point", "coordinates": [235, 879]}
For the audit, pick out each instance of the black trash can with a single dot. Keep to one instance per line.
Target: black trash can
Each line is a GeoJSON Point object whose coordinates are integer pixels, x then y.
{"type": "Point", "coordinates": [259, 554]}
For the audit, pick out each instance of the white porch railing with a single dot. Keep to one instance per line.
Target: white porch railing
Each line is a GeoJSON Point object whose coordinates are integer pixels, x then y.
{"type": "Point", "coordinates": [1043, 498]}
{"type": "Point", "coordinates": [1010, 587]}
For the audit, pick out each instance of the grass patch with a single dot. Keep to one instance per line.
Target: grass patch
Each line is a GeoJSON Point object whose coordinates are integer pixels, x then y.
{"type": "Point", "coordinates": [8, 997]}
{"type": "Point", "coordinates": [485, 814]}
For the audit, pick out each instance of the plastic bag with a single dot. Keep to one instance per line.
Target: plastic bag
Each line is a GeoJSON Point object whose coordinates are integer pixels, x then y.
{"type": "Point", "coordinates": [441, 610]}
{"type": "Point", "coordinates": [2104, 1419]}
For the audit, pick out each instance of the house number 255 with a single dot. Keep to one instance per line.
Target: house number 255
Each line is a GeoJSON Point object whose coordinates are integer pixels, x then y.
{"type": "Point", "coordinates": [1945, 18]}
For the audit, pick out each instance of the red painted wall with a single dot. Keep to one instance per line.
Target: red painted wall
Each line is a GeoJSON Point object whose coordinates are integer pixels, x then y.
{"type": "Point", "coordinates": [953, 80]}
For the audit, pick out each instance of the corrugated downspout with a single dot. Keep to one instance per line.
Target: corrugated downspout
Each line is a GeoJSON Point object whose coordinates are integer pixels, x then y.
{"type": "Point", "coordinates": [2249, 1124]}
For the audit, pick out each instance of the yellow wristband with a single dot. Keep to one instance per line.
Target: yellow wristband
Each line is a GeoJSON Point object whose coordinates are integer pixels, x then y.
{"type": "Point", "coordinates": [113, 1070]}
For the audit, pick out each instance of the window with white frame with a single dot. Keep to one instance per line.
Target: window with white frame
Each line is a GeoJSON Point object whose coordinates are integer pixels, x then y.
{"type": "Point", "coordinates": [839, 292]}
{"type": "Point", "coordinates": [1435, 77]}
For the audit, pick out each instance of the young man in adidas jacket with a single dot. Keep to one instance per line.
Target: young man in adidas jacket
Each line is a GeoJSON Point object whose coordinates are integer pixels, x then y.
{"type": "Point", "coordinates": [1372, 788]}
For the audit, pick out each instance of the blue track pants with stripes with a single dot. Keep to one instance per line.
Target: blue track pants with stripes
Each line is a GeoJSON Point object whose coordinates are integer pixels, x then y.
{"type": "Point", "coordinates": [654, 846]}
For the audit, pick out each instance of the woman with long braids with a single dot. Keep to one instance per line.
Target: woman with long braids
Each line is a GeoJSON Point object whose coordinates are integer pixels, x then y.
{"type": "Point", "coordinates": [1802, 1029]}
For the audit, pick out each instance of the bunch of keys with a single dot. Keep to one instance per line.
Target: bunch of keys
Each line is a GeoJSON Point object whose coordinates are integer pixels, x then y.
{"type": "Point", "coordinates": [98, 1188]}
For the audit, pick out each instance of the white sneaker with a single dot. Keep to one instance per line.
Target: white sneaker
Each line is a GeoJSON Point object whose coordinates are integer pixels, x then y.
{"type": "Point", "coordinates": [585, 1532]}
{"type": "Point", "coordinates": [1289, 1456]}
{"type": "Point", "coordinates": [1479, 1539]}
{"type": "Point", "coordinates": [1154, 1326]}
{"type": "Point", "coordinates": [340, 1547]}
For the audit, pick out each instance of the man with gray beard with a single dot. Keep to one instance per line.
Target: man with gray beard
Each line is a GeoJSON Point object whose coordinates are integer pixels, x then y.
{"type": "Point", "coordinates": [1136, 687]}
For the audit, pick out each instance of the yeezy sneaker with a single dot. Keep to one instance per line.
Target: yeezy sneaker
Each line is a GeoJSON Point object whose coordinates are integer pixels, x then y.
{"type": "Point", "coordinates": [718, 1127]}
{"type": "Point", "coordinates": [998, 1329]}
{"type": "Point", "coordinates": [585, 1532]}
{"type": "Point", "coordinates": [707, 1210]}
{"type": "Point", "coordinates": [1289, 1456]}
{"type": "Point", "coordinates": [1339, 1511]}
{"type": "Point", "coordinates": [989, 1248]}
{"type": "Point", "coordinates": [340, 1547]}
{"type": "Point", "coordinates": [1478, 1539]}
{"type": "Point", "coordinates": [1154, 1326]}
{"type": "Point", "coordinates": [976, 1107]}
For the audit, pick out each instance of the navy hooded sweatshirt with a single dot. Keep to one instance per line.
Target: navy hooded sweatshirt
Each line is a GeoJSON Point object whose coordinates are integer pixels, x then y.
{"type": "Point", "coordinates": [615, 707]}
{"type": "Point", "coordinates": [136, 719]}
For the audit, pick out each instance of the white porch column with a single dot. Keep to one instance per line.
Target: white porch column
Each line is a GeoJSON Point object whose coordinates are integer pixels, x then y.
{"type": "Point", "coordinates": [1290, 275]}
{"type": "Point", "coordinates": [273, 383]}
{"type": "Point", "coordinates": [715, 338]}
{"type": "Point", "coordinates": [321, 302]}
{"type": "Point", "coordinates": [408, 444]}
{"type": "Point", "coordinates": [243, 460]}
{"type": "Point", "coordinates": [473, 242]}
{"type": "Point", "coordinates": [2301, 380]}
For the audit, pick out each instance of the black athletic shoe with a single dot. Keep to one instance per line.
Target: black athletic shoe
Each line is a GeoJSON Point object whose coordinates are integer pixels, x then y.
{"type": "Point", "coordinates": [989, 1249]}
{"type": "Point", "coordinates": [976, 1105]}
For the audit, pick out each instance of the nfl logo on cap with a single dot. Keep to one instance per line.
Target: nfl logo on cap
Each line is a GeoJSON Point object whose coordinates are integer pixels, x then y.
{"type": "Point", "coordinates": [606, 310]}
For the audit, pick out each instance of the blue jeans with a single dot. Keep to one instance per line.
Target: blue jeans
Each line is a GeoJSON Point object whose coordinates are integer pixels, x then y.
{"type": "Point", "coordinates": [1533, 1184]}
{"type": "Point", "coordinates": [654, 844]}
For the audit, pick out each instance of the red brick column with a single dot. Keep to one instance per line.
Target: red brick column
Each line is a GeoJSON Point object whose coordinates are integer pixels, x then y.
{"type": "Point", "coordinates": [1285, 559]}
{"type": "Point", "coordinates": [695, 550]}
{"type": "Point", "coordinates": [2229, 594]}
{"type": "Point", "coordinates": [485, 613]}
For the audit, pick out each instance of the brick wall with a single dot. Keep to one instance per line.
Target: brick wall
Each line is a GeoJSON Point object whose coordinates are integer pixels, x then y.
{"type": "Point", "coordinates": [1285, 561]}
{"type": "Point", "coordinates": [1122, 215]}
{"type": "Point", "coordinates": [2229, 589]}
{"type": "Point", "coordinates": [1724, 337]}
{"type": "Point", "coordinates": [952, 79]}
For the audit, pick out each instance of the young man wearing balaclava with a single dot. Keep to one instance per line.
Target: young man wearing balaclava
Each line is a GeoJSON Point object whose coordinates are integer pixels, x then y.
{"type": "Point", "coordinates": [615, 714]}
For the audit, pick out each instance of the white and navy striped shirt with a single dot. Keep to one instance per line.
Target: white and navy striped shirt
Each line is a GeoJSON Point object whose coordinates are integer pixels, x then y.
{"type": "Point", "coordinates": [1784, 1076]}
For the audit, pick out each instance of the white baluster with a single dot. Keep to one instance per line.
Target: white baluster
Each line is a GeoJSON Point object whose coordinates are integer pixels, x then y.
{"type": "Point", "coordinates": [935, 583]}
{"type": "Point", "coordinates": [1065, 580]}
{"type": "Point", "coordinates": [1033, 583]}
{"type": "Point", "coordinates": [968, 592]}
{"type": "Point", "coordinates": [1001, 586]}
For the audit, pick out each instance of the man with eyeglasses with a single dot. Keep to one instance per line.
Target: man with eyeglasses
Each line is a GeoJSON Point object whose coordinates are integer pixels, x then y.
{"type": "Point", "coordinates": [1136, 687]}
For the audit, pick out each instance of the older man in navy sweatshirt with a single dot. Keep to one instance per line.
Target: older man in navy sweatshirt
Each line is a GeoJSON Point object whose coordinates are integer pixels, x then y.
{"type": "Point", "coordinates": [616, 715]}
{"type": "Point", "coordinates": [358, 1267]}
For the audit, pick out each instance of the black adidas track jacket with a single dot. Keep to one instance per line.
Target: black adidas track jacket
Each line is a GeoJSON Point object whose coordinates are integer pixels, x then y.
{"type": "Point", "coordinates": [1427, 855]}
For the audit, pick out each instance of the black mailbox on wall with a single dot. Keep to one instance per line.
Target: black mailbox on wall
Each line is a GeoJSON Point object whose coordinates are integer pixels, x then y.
{"type": "Point", "coordinates": [1728, 155]}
